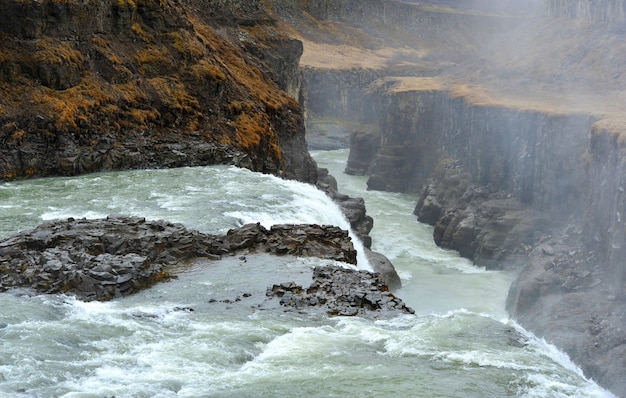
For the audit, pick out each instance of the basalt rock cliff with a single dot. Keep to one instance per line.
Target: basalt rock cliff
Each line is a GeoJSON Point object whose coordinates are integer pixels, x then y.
{"type": "Point", "coordinates": [107, 85]}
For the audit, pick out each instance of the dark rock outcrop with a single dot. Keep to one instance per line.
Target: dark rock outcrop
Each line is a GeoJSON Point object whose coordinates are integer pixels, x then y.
{"type": "Point", "coordinates": [341, 292]}
{"type": "Point", "coordinates": [361, 224]}
{"type": "Point", "coordinates": [116, 256]}
{"type": "Point", "coordinates": [485, 225]}
{"type": "Point", "coordinates": [364, 145]}
{"type": "Point", "coordinates": [383, 266]}
{"type": "Point", "coordinates": [564, 294]}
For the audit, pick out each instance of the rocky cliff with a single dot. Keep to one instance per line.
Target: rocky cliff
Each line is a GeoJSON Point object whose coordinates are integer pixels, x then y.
{"type": "Point", "coordinates": [129, 84]}
{"type": "Point", "coordinates": [512, 183]}
{"type": "Point", "coordinates": [515, 152]}
{"type": "Point", "coordinates": [457, 150]}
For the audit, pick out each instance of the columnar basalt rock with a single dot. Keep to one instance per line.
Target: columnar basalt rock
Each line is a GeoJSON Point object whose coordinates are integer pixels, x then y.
{"type": "Point", "coordinates": [486, 174]}
{"type": "Point", "coordinates": [604, 222]}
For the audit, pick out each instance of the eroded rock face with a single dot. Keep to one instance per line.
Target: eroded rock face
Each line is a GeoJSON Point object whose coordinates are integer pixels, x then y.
{"type": "Point", "coordinates": [352, 208]}
{"type": "Point", "coordinates": [564, 295]}
{"type": "Point", "coordinates": [116, 85]}
{"type": "Point", "coordinates": [364, 146]}
{"type": "Point", "coordinates": [361, 224]}
{"type": "Point", "coordinates": [116, 256]}
{"type": "Point", "coordinates": [487, 226]}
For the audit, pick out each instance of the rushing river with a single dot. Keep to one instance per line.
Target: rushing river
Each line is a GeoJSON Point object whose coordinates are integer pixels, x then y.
{"type": "Point", "coordinates": [196, 337]}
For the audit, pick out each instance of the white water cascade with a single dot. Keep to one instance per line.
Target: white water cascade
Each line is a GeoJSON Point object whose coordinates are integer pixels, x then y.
{"type": "Point", "coordinates": [197, 336]}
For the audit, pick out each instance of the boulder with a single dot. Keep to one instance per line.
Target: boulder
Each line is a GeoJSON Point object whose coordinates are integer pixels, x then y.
{"type": "Point", "coordinates": [381, 265]}
{"type": "Point", "coordinates": [341, 292]}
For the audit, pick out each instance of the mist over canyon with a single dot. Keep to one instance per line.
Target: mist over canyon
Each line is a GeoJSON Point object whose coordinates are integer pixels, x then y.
{"type": "Point", "coordinates": [504, 121]}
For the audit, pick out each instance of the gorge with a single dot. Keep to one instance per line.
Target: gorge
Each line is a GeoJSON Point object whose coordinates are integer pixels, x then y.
{"type": "Point", "coordinates": [513, 155]}
{"type": "Point", "coordinates": [504, 122]}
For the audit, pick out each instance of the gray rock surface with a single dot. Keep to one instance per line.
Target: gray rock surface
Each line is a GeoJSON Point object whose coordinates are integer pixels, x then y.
{"type": "Point", "coordinates": [106, 258]}
{"type": "Point", "coordinates": [341, 292]}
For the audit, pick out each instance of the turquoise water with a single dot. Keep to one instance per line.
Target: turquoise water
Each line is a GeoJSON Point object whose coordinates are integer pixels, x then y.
{"type": "Point", "coordinates": [199, 336]}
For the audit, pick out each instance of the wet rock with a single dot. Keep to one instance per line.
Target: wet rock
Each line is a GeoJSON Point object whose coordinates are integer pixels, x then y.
{"type": "Point", "coordinates": [385, 268]}
{"type": "Point", "coordinates": [563, 295]}
{"type": "Point", "coordinates": [483, 224]}
{"type": "Point", "coordinates": [107, 258]}
{"type": "Point", "coordinates": [352, 208]}
{"type": "Point", "coordinates": [363, 147]}
{"type": "Point", "coordinates": [341, 292]}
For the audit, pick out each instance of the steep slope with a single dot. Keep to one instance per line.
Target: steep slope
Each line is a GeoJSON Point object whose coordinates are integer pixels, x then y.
{"type": "Point", "coordinates": [127, 84]}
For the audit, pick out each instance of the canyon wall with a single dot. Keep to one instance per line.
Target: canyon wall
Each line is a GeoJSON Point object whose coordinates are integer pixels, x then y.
{"type": "Point", "coordinates": [456, 150]}
{"type": "Point", "coordinates": [536, 156]}
{"type": "Point", "coordinates": [487, 173]}
{"type": "Point", "coordinates": [109, 85]}
{"type": "Point", "coordinates": [512, 185]}
{"type": "Point", "coordinates": [605, 200]}
{"type": "Point", "coordinates": [340, 93]}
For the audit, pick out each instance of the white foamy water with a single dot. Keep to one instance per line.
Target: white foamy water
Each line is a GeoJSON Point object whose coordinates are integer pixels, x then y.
{"type": "Point", "coordinates": [211, 333]}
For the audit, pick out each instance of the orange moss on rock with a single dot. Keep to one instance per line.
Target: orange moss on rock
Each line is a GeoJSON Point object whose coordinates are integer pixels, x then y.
{"type": "Point", "coordinates": [258, 85]}
{"type": "Point", "coordinates": [54, 51]}
{"type": "Point", "coordinates": [161, 73]}
{"type": "Point", "coordinates": [204, 70]}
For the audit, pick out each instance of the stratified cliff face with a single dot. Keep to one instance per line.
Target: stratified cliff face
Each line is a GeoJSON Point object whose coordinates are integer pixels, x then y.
{"type": "Point", "coordinates": [573, 285]}
{"type": "Point", "coordinates": [339, 94]}
{"type": "Point", "coordinates": [461, 152]}
{"type": "Point", "coordinates": [129, 84]}
{"type": "Point", "coordinates": [605, 200]}
{"type": "Point", "coordinates": [512, 184]}
{"type": "Point", "coordinates": [536, 156]}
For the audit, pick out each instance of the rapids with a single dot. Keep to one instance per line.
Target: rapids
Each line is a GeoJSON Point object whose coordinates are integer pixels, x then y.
{"type": "Point", "coordinates": [209, 334]}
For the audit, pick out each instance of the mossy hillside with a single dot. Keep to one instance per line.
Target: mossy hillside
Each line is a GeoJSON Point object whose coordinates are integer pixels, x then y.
{"type": "Point", "coordinates": [154, 79]}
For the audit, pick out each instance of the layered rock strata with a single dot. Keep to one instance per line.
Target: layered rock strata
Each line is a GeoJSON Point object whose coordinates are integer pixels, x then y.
{"type": "Point", "coordinates": [487, 174]}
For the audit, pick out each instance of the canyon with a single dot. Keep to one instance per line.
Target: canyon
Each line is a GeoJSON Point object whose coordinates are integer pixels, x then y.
{"type": "Point", "coordinates": [504, 122]}
{"type": "Point", "coordinates": [513, 146]}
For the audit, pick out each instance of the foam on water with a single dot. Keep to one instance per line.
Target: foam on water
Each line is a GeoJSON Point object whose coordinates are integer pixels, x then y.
{"type": "Point", "coordinates": [239, 196]}
{"type": "Point", "coordinates": [153, 344]}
